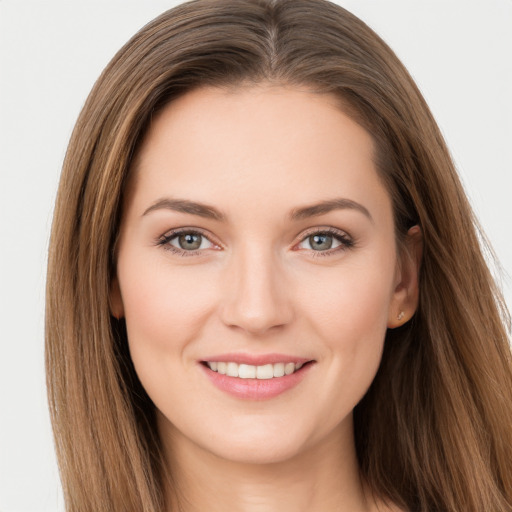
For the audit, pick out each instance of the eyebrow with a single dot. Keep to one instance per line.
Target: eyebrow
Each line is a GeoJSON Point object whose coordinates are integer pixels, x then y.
{"type": "Point", "coordinates": [210, 212]}
{"type": "Point", "coordinates": [186, 206]}
{"type": "Point", "coordinates": [328, 206]}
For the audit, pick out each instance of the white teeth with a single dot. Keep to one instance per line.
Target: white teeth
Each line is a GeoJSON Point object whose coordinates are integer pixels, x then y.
{"type": "Point", "coordinates": [248, 371]}
{"type": "Point", "coordinates": [232, 370]}
{"type": "Point", "coordinates": [289, 368]}
{"type": "Point", "coordinates": [279, 370]}
{"type": "Point", "coordinates": [265, 372]}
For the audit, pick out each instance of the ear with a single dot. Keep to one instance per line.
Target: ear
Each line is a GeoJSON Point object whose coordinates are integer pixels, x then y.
{"type": "Point", "coordinates": [406, 293]}
{"type": "Point", "coordinates": [115, 299]}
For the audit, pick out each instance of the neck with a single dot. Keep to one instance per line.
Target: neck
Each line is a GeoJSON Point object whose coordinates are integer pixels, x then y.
{"type": "Point", "coordinates": [323, 478]}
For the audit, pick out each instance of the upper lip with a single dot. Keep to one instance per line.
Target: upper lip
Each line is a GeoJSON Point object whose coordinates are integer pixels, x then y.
{"type": "Point", "coordinates": [256, 359]}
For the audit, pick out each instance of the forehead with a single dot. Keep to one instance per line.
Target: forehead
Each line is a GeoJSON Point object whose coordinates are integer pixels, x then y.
{"type": "Point", "coordinates": [257, 146]}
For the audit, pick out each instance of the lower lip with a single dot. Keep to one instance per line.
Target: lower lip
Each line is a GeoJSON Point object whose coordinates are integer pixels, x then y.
{"type": "Point", "coordinates": [256, 389]}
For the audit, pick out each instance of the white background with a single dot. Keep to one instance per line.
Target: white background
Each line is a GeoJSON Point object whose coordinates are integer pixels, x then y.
{"type": "Point", "coordinates": [51, 52]}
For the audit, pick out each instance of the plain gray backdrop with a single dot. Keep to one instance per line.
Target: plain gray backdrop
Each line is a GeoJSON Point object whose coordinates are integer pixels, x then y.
{"type": "Point", "coordinates": [51, 52]}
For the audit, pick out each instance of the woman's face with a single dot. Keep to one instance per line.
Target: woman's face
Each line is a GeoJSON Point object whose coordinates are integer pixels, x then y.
{"type": "Point", "coordinates": [256, 237]}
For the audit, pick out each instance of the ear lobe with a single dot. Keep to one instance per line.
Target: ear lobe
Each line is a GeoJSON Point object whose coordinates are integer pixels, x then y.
{"type": "Point", "coordinates": [115, 299]}
{"type": "Point", "coordinates": [405, 296]}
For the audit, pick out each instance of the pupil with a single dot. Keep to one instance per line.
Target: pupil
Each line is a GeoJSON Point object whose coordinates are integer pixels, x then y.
{"type": "Point", "coordinates": [190, 241]}
{"type": "Point", "coordinates": [320, 242]}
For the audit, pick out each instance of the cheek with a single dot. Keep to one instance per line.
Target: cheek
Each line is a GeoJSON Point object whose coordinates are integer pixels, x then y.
{"type": "Point", "coordinates": [164, 306]}
{"type": "Point", "coordinates": [166, 309]}
{"type": "Point", "coordinates": [353, 300]}
{"type": "Point", "coordinates": [349, 315]}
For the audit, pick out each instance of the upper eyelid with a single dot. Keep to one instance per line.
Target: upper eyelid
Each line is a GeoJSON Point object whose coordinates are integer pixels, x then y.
{"type": "Point", "coordinates": [325, 229]}
{"type": "Point", "coordinates": [185, 229]}
{"type": "Point", "coordinates": [171, 233]}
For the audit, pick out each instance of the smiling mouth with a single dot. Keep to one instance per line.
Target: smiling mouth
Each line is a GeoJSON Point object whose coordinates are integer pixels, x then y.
{"type": "Point", "coordinates": [248, 371]}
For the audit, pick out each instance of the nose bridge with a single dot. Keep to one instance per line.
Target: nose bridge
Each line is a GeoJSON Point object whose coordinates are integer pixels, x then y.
{"type": "Point", "coordinates": [256, 299]}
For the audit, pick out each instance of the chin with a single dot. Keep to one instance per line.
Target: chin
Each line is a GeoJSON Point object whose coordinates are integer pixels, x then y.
{"type": "Point", "coordinates": [250, 440]}
{"type": "Point", "coordinates": [258, 451]}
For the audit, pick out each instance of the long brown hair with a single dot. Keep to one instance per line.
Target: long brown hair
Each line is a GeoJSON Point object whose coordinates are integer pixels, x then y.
{"type": "Point", "coordinates": [434, 432]}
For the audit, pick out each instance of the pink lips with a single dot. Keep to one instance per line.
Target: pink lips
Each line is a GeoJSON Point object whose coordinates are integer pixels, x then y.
{"type": "Point", "coordinates": [256, 389]}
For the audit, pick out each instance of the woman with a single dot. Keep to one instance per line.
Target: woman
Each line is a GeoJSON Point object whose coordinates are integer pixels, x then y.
{"type": "Point", "coordinates": [265, 285]}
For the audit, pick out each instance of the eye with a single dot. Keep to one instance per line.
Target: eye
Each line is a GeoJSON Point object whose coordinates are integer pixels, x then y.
{"type": "Point", "coordinates": [190, 241]}
{"type": "Point", "coordinates": [327, 241]}
{"type": "Point", "coordinates": [321, 242]}
{"type": "Point", "coordinates": [186, 241]}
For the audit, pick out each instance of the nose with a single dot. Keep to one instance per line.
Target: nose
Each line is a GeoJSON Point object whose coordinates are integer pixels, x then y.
{"type": "Point", "coordinates": [256, 296]}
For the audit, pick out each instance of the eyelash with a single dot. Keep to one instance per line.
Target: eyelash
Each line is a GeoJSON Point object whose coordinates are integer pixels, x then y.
{"type": "Point", "coordinates": [164, 241]}
{"type": "Point", "coordinates": [346, 242]}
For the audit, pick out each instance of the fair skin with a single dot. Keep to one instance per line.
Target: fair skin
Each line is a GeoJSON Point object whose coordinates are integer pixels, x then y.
{"type": "Point", "coordinates": [255, 275]}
